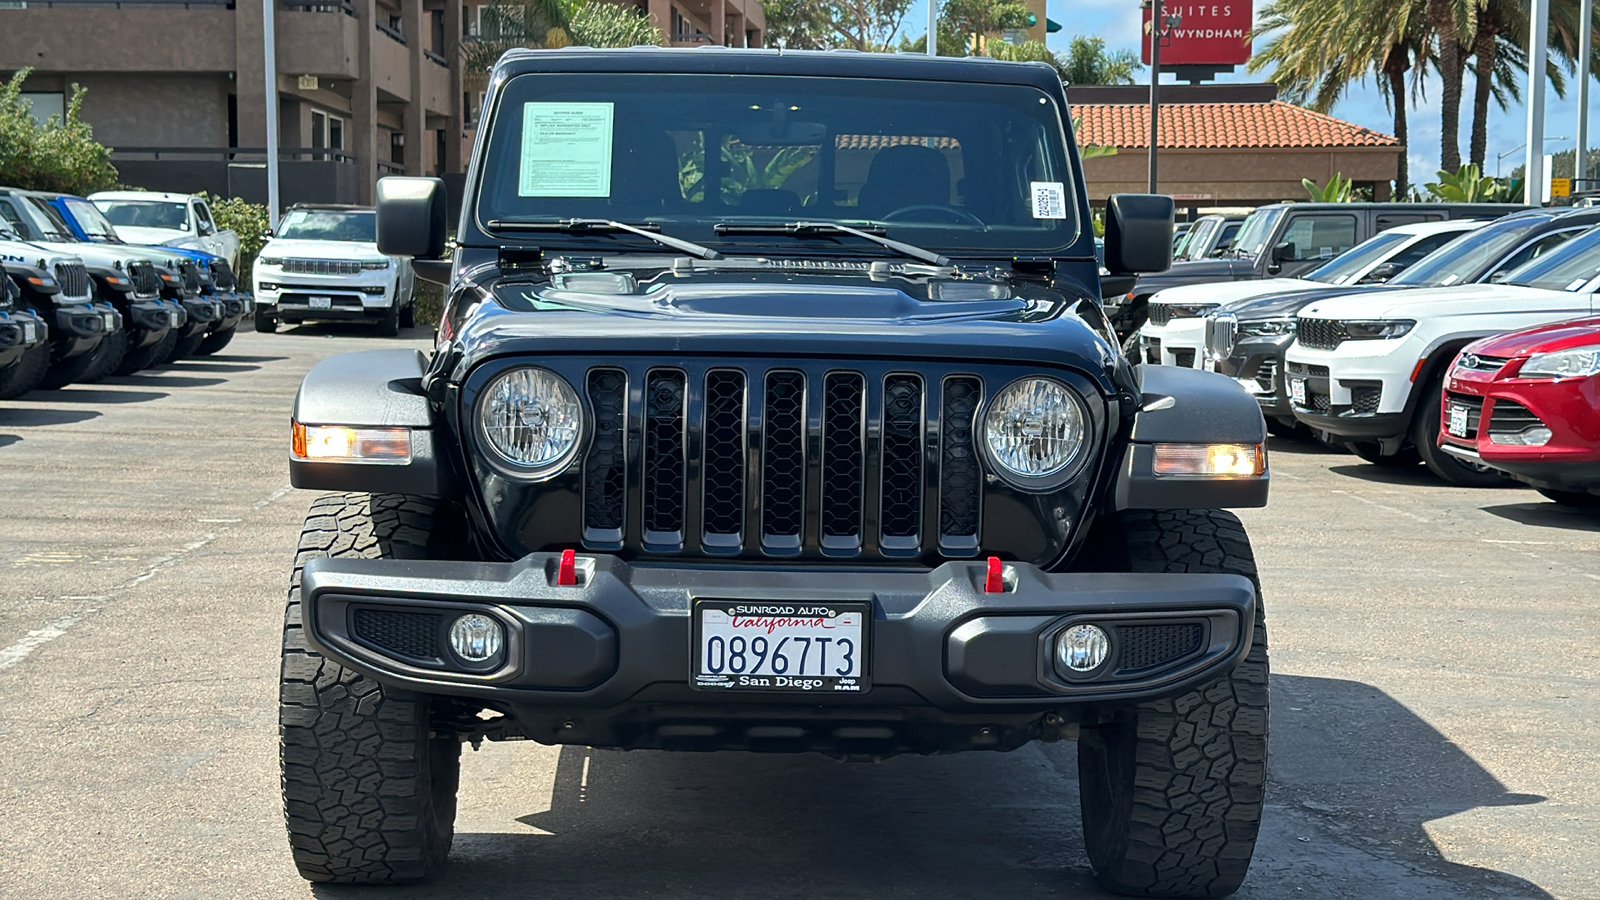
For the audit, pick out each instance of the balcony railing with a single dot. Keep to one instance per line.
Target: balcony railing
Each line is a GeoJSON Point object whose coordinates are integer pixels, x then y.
{"type": "Point", "coordinates": [392, 32]}
{"type": "Point", "coordinates": [50, 4]}
{"type": "Point", "coordinates": [233, 154]}
{"type": "Point", "coordinates": [323, 6]}
{"type": "Point", "coordinates": [385, 167]}
{"type": "Point", "coordinates": [436, 58]}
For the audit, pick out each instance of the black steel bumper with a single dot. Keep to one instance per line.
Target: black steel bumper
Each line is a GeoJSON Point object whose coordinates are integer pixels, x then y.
{"type": "Point", "coordinates": [79, 328]}
{"type": "Point", "coordinates": [19, 331]}
{"type": "Point", "coordinates": [149, 321]}
{"type": "Point", "coordinates": [607, 662]}
{"type": "Point", "coordinates": [203, 312]}
{"type": "Point", "coordinates": [234, 309]}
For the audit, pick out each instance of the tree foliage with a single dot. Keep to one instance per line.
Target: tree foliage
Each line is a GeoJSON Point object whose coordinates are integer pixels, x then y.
{"type": "Point", "coordinates": [975, 20]}
{"type": "Point", "coordinates": [1337, 190]}
{"type": "Point", "coordinates": [1088, 62]}
{"type": "Point", "coordinates": [59, 155]}
{"type": "Point", "coordinates": [514, 24]}
{"type": "Point", "coordinates": [1468, 184]}
{"type": "Point", "coordinates": [829, 24]}
{"type": "Point", "coordinates": [247, 220]}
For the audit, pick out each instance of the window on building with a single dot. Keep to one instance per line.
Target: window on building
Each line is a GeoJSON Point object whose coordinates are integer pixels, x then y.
{"type": "Point", "coordinates": [44, 104]}
{"type": "Point", "coordinates": [327, 133]}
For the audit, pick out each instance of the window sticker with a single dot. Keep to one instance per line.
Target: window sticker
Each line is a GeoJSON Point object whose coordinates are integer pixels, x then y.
{"type": "Point", "coordinates": [1577, 284]}
{"type": "Point", "coordinates": [566, 150]}
{"type": "Point", "coordinates": [1452, 278]}
{"type": "Point", "coordinates": [1049, 199]}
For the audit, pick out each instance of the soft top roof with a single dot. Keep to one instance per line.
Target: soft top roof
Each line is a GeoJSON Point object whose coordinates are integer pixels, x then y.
{"type": "Point", "coordinates": [730, 61]}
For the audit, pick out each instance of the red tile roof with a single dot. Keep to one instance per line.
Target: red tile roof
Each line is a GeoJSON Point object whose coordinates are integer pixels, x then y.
{"type": "Point", "coordinates": [1215, 126]}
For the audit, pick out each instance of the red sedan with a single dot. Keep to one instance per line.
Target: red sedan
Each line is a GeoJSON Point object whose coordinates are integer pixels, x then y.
{"type": "Point", "coordinates": [1528, 403]}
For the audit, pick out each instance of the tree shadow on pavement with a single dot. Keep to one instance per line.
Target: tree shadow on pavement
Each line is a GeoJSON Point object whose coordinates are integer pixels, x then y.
{"type": "Point", "coordinates": [98, 397]}
{"type": "Point", "coordinates": [1350, 765]}
{"type": "Point", "coordinates": [163, 380]}
{"type": "Point", "coordinates": [1548, 514]}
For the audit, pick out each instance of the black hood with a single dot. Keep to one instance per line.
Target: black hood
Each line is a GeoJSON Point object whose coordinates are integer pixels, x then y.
{"type": "Point", "coordinates": [782, 314]}
{"type": "Point", "coordinates": [1198, 271]}
{"type": "Point", "coordinates": [1277, 306]}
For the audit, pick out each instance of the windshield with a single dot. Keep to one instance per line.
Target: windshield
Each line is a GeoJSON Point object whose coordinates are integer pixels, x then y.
{"type": "Point", "coordinates": [90, 219]}
{"type": "Point", "coordinates": [1466, 259]}
{"type": "Point", "coordinates": [936, 164]}
{"type": "Point", "coordinates": [1353, 263]}
{"type": "Point", "coordinates": [146, 213]}
{"type": "Point", "coordinates": [1196, 242]}
{"type": "Point", "coordinates": [1566, 268]}
{"type": "Point", "coordinates": [47, 221]}
{"type": "Point", "coordinates": [358, 225]}
{"type": "Point", "coordinates": [1257, 229]}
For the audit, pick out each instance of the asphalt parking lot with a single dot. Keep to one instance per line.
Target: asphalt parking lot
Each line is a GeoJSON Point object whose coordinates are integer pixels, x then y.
{"type": "Point", "coordinates": [1434, 704]}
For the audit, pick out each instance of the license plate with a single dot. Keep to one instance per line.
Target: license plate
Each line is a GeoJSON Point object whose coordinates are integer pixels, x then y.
{"type": "Point", "coordinates": [788, 647]}
{"type": "Point", "coordinates": [110, 319]}
{"type": "Point", "coordinates": [28, 332]}
{"type": "Point", "coordinates": [172, 318]}
{"type": "Point", "coordinates": [1458, 420]}
{"type": "Point", "coordinates": [1297, 391]}
{"type": "Point", "coordinates": [321, 302]}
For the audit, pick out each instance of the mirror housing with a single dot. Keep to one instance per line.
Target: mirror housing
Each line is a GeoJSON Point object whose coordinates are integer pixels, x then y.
{"type": "Point", "coordinates": [411, 217]}
{"type": "Point", "coordinates": [1283, 252]}
{"type": "Point", "coordinates": [1138, 233]}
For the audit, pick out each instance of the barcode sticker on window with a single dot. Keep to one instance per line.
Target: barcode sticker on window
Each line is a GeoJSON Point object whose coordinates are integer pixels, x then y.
{"type": "Point", "coordinates": [1049, 200]}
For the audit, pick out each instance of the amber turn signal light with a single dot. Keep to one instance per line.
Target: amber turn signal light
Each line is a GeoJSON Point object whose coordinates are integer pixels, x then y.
{"type": "Point", "coordinates": [1211, 460]}
{"type": "Point", "coordinates": [337, 443]}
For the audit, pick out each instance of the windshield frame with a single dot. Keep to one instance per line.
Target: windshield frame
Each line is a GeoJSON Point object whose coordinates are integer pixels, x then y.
{"type": "Point", "coordinates": [91, 220]}
{"type": "Point", "coordinates": [698, 226]}
{"type": "Point", "coordinates": [1267, 219]}
{"type": "Point", "coordinates": [1467, 245]}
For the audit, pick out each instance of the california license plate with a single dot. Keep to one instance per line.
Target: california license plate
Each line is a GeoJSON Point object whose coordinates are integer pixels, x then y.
{"type": "Point", "coordinates": [321, 302]}
{"type": "Point", "coordinates": [28, 332]}
{"type": "Point", "coordinates": [1297, 391]}
{"type": "Point", "coordinates": [789, 647]}
{"type": "Point", "coordinates": [172, 318]}
{"type": "Point", "coordinates": [110, 319]}
{"type": "Point", "coordinates": [1458, 421]}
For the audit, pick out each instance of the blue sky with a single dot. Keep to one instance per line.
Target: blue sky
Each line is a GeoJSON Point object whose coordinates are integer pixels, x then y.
{"type": "Point", "coordinates": [1118, 22]}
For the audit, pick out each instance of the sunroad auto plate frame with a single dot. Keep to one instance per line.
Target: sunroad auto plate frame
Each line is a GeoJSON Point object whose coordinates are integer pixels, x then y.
{"type": "Point", "coordinates": [772, 682]}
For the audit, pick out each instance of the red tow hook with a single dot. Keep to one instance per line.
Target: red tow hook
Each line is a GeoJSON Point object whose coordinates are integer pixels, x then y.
{"type": "Point", "coordinates": [996, 582]}
{"type": "Point", "coordinates": [567, 573]}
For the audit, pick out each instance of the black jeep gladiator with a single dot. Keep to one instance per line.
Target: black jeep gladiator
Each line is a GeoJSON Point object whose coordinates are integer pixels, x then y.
{"type": "Point", "coordinates": [773, 408]}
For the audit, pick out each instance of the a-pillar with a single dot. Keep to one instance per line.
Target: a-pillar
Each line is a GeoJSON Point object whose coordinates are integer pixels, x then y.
{"type": "Point", "coordinates": [364, 102]}
{"type": "Point", "coordinates": [414, 119]}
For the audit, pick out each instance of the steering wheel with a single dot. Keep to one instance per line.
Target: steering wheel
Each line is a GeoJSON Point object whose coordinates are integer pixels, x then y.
{"type": "Point", "coordinates": [960, 215]}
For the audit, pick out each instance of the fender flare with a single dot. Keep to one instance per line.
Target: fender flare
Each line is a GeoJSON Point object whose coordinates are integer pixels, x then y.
{"type": "Point", "coordinates": [1189, 406]}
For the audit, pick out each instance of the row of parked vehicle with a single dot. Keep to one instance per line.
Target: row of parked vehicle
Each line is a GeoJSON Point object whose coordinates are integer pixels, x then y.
{"type": "Point", "coordinates": [1466, 338]}
{"type": "Point", "coordinates": [110, 284]}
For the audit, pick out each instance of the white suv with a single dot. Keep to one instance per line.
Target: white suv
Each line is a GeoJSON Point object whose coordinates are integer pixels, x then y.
{"type": "Point", "coordinates": [1366, 369]}
{"type": "Point", "coordinates": [1175, 332]}
{"type": "Point", "coordinates": [324, 264]}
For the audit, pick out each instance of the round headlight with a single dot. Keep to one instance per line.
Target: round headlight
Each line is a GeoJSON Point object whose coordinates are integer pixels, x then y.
{"type": "Point", "coordinates": [1035, 429]}
{"type": "Point", "coordinates": [531, 417]}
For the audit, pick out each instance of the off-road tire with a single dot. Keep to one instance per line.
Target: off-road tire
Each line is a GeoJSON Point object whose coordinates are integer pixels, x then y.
{"type": "Point", "coordinates": [185, 347]}
{"type": "Point", "coordinates": [26, 373]}
{"type": "Point", "coordinates": [389, 325]}
{"type": "Point", "coordinates": [216, 340]}
{"type": "Point", "coordinates": [1449, 469]}
{"type": "Point", "coordinates": [1370, 451]}
{"type": "Point", "coordinates": [149, 355]}
{"type": "Point", "coordinates": [1574, 499]}
{"type": "Point", "coordinates": [113, 347]}
{"type": "Point", "coordinates": [1172, 791]}
{"type": "Point", "coordinates": [266, 323]}
{"type": "Point", "coordinates": [408, 316]}
{"type": "Point", "coordinates": [80, 369]}
{"type": "Point", "coordinates": [369, 789]}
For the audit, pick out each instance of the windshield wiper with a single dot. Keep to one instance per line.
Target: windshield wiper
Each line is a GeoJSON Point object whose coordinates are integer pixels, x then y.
{"type": "Point", "coordinates": [578, 226]}
{"type": "Point", "coordinates": [872, 233]}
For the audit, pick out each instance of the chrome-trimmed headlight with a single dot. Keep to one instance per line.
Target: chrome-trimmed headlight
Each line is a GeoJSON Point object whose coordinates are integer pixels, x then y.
{"type": "Point", "coordinates": [1036, 433]}
{"type": "Point", "coordinates": [532, 420]}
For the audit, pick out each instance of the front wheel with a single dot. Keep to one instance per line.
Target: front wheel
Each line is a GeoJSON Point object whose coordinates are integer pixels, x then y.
{"type": "Point", "coordinates": [266, 323]}
{"type": "Point", "coordinates": [1450, 469]}
{"type": "Point", "coordinates": [1172, 790]}
{"type": "Point", "coordinates": [26, 373]}
{"type": "Point", "coordinates": [216, 340]}
{"type": "Point", "coordinates": [185, 347]}
{"type": "Point", "coordinates": [369, 789]}
{"type": "Point", "coordinates": [389, 325]}
{"type": "Point", "coordinates": [1369, 451]}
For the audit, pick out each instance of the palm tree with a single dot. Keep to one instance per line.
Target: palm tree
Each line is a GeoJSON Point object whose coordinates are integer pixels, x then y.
{"type": "Point", "coordinates": [1452, 23]}
{"type": "Point", "coordinates": [511, 24]}
{"type": "Point", "coordinates": [1319, 49]}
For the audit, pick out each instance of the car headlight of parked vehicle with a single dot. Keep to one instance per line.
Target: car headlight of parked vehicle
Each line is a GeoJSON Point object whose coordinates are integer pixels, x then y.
{"type": "Point", "coordinates": [1035, 432]}
{"type": "Point", "coordinates": [376, 264]}
{"type": "Point", "coordinates": [270, 261]}
{"type": "Point", "coordinates": [1579, 362]}
{"type": "Point", "coordinates": [1378, 329]}
{"type": "Point", "coordinates": [531, 418]}
{"type": "Point", "coordinates": [1189, 310]}
{"type": "Point", "coordinates": [1267, 327]}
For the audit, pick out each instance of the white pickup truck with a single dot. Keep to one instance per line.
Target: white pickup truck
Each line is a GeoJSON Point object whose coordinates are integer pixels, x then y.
{"type": "Point", "coordinates": [174, 220]}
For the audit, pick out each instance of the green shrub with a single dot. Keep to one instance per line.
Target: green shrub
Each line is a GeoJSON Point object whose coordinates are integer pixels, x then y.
{"type": "Point", "coordinates": [247, 220]}
{"type": "Point", "coordinates": [60, 155]}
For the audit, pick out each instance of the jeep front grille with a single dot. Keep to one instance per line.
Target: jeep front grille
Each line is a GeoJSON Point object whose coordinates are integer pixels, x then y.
{"type": "Point", "coordinates": [1321, 334]}
{"type": "Point", "coordinates": [74, 280]}
{"type": "Point", "coordinates": [728, 459]}
{"type": "Point", "coordinates": [146, 282]}
{"type": "Point", "coordinates": [321, 267]}
{"type": "Point", "coordinates": [191, 276]}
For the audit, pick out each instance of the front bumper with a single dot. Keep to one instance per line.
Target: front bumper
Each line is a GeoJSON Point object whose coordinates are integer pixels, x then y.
{"type": "Point", "coordinates": [607, 662]}
{"type": "Point", "coordinates": [1257, 364]}
{"type": "Point", "coordinates": [1358, 392]}
{"type": "Point", "coordinates": [291, 297]}
{"type": "Point", "coordinates": [1509, 407]}
{"type": "Point", "coordinates": [1180, 342]}
{"type": "Point", "coordinates": [78, 329]}
{"type": "Point", "coordinates": [149, 321]}
{"type": "Point", "coordinates": [20, 331]}
{"type": "Point", "coordinates": [203, 315]}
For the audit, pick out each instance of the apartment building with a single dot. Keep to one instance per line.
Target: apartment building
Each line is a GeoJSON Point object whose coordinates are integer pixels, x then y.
{"type": "Point", "coordinates": [366, 88]}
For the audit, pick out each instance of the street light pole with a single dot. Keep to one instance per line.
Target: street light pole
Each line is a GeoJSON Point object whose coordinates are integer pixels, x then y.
{"type": "Point", "coordinates": [1155, 86]}
{"type": "Point", "coordinates": [1580, 168]}
{"type": "Point", "coordinates": [270, 47]}
{"type": "Point", "coordinates": [1539, 40]}
{"type": "Point", "coordinates": [933, 27]}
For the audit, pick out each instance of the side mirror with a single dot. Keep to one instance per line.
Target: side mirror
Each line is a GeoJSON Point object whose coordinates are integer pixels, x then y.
{"type": "Point", "coordinates": [1138, 233]}
{"type": "Point", "coordinates": [266, 234]}
{"type": "Point", "coordinates": [411, 216]}
{"type": "Point", "coordinates": [1500, 276]}
{"type": "Point", "coordinates": [1283, 252]}
{"type": "Point", "coordinates": [1381, 274]}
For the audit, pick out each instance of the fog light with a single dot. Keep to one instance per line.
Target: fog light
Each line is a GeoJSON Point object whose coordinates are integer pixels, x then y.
{"type": "Point", "coordinates": [1082, 648]}
{"type": "Point", "coordinates": [476, 638]}
{"type": "Point", "coordinates": [1537, 436]}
